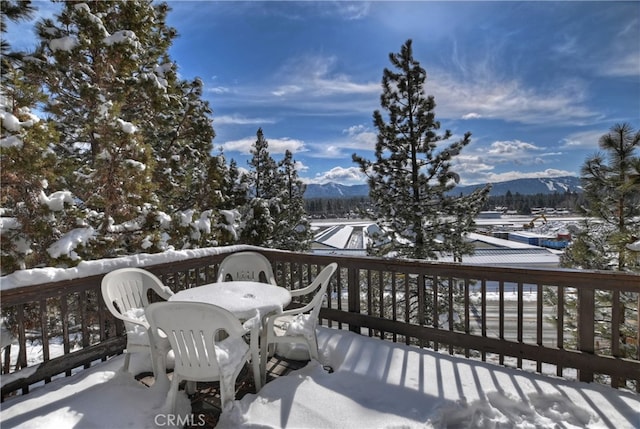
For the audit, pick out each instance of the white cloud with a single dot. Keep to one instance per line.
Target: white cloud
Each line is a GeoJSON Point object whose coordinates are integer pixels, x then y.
{"type": "Point", "coordinates": [346, 176]}
{"type": "Point", "coordinates": [485, 95]}
{"type": "Point", "coordinates": [360, 137]}
{"type": "Point", "coordinates": [510, 148]}
{"type": "Point", "coordinates": [506, 151]}
{"type": "Point", "coordinates": [308, 83]}
{"type": "Point", "coordinates": [355, 129]}
{"type": "Point", "coordinates": [240, 120]}
{"type": "Point", "coordinates": [317, 76]}
{"type": "Point", "coordinates": [243, 145]}
{"type": "Point", "coordinates": [299, 166]}
{"type": "Point", "coordinates": [470, 164]}
{"type": "Point", "coordinates": [583, 139]}
{"type": "Point", "coordinates": [219, 90]}
{"type": "Point", "coordinates": [285, 90]}
{"type": "Point", "coordinates": [276, 146]}
{"type": "Point", "coordinates": [569, 46]}
{"type": "Point", "coordinates": [625, 65]}
{"type": "Point", "coordinates": [475, 164]}
{"type": "Point", "coordinates": [350, 11]}
{"type": "Point", "coordinates": [356, 138]}
{"type": "Point", "coordinates": [512, 175]}
{"type": "Point", "coordinates": [475, 168]}
{"type": "Point", "coordinates": [327, 151]}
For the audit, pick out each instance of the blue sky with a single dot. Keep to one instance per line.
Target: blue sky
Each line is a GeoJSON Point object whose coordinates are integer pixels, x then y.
{"type": "Point", "coordinates": [536, 83]}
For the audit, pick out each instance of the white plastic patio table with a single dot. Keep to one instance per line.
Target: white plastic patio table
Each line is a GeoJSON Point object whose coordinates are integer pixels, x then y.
{"type": "Point", "coordinates": [244, 299]}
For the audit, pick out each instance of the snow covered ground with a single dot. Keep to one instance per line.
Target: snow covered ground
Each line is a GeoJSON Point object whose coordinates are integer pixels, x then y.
{"type": "Point", "coordinates": [374, 384]}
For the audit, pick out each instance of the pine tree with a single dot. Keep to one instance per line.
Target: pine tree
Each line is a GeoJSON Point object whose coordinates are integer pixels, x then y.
{"type": "Point", "coordinates": [262, 184]}
{"type": "Point", "coordinates": [274, 215]}
{"type": "Point", "coordinates": [292, 230]}
{"type": "Point", "coordinates": [135, 141]}
{"type": "Point", "coordinates": [411, 175]}
{"type": "Point", "coordinates": [410, 183]}
{"type": "Point", "coordinates": [263, 177]}
{"type": "Point", "coordinates": [181, 133]}
{"type": "Point", "coordinates": [100, 76]}
{"type": "Point", "coordinates": [27, 163]}
{"type": "Point", "coordinates": [234, 187]}
{"type": "Point", "coordinates": [611, 182]}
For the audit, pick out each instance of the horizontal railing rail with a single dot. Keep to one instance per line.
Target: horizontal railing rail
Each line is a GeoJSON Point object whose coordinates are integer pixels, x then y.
{"type": "Point", "coordinates": [571, 323]}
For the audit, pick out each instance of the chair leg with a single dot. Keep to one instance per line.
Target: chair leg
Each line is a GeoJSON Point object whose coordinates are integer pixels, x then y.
{"type": "Point", "coordinates": [127, 358]}
{"type": "Point", "coordinates": [172, 395]}
{"type": "Point", "coordinates": [227, 390]}
{"type": "Point", "coordinates": [264, 348]}
{"type": "Point", "coordinates": [257, 375]}
{"type": "Point", "coordinates": [159, 365]}
{"type": "Point", "coordinates": [313, 346]}
{"type": "Point", "coordinates": [313, 350]}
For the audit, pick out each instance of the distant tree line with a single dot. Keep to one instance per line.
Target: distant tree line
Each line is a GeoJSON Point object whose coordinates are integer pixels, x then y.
{"type": "Point", "coordinates": [336, 207]}
{"type": "Point", "coordinates": [521, 203]}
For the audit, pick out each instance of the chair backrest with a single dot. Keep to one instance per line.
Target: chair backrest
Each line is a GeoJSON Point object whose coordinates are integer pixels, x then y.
{"type": "Point", "coordinates": [251, 266]}
{"type": "Point", "coordinates": [321, 282]}
{"type": "Point", "coordinates": [125, 289]}
{"type": "Point", "coordinates": [193, 329]}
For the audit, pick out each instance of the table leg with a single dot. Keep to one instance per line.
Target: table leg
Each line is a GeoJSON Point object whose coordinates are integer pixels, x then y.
{"type": "Point", "coordinates": [256, 357]}
{"type": "Point", "coordinates": [264, 350]}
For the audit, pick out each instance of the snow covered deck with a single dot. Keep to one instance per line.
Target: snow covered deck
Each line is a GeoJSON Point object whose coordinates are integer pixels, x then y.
{"type": "Point", "coordinates": [500, 318]}
{"type": "Point", "coordinates": [373, 383]}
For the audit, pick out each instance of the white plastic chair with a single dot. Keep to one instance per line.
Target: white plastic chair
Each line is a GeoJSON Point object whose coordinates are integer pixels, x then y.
{"type": "Point", "coordinates": [125, 293]}
{"type": "Point", "coordinates": [208, 344]}
{"type": "Point", "coordinates": [251, 266]}
{"type": "Point", "coordinates": [298, 325]}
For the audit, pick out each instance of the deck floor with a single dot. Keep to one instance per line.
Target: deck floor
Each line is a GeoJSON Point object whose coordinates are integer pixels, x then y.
{"type": "Point", "coordinates": [206, 400]}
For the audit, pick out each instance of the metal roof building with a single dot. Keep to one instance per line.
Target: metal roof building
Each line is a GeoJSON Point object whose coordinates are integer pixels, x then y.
{"type": "Point", "coordinates": [350, 238]}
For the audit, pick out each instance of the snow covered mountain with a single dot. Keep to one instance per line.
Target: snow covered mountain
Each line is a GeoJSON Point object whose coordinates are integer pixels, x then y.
{"type": "Point", "coordinates": [521, 186]}
{"type": "Point", "coordinates": [335, 190]}
{"type": "Point", "coordinates": [553, 185]}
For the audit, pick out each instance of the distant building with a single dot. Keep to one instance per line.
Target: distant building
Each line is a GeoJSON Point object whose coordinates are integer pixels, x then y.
{"type": "Point", "coordinates": [350, 238]}
{"type": "Point", "coordinates": [489, 214]}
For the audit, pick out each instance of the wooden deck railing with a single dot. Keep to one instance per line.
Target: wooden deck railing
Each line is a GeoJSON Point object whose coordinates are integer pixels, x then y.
{"type": "Point", "coordinates": [549, 321]}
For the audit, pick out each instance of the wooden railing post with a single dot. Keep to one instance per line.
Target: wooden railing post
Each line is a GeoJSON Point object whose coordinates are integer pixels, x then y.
{"type": "Point", "coordinates": [353, 285]}
{"type": "Point", "coordinates": [586, 328]}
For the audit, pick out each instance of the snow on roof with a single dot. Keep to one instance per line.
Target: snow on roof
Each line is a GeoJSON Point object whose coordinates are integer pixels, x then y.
{"type": "Point", "coordinates": [499, 242]}
{"type": "Point", "coordinates": [336, 237]}
{"type": "Point", "coordinates": [531, 234]}
{"type": "Point", "coordinates": [540, 257]}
